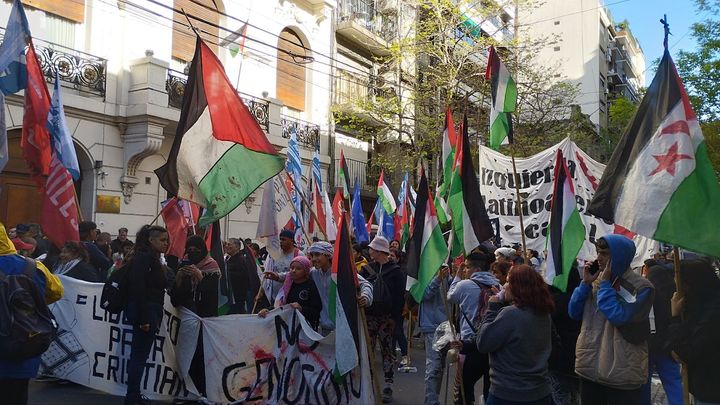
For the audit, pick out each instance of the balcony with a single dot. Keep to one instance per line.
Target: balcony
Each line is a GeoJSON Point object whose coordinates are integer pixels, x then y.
{"type": "Point", "coordinates": [175, 87]}
{"type": "Point", "coordinates": [307, 133]}
{"type": "Point", "coordinates": [80, 71]}
{"type": "Point", "coordinates": [360, 23]}
{"type": "Point", "coordinates": [366, 174]}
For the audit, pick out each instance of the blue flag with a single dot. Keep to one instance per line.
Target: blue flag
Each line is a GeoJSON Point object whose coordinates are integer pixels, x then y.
{"type": "Point", "coordinates": [4, 155]}
{"type": "Point", "coordinates": [358, 218]}
{"type": "Point", "coordinates": [61, 139]}
{"type": "Point", "coordinates": [294, 167]}
{"type": "Point", "coordinates": [13, 68]}
{"type": "Point", "coordinates": [384, 221]}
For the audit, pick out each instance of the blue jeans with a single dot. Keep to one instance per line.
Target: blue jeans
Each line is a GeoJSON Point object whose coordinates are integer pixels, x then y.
{"type": "Point", "coordinates": [434, 365]}
{"type": "Point", "coordinates": [140, 347]}
{"type": "Point", "coordinates": [669, 372]}
{"type": "Point", "coordinates": [493, 400]}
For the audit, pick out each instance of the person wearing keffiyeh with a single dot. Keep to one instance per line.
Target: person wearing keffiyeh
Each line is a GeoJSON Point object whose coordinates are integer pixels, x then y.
{"type": "Point", "coordinates": [300, 292]}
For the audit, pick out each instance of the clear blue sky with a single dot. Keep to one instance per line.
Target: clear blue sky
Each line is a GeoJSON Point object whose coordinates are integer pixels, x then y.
{"type": "Point", "coordinates": [644, 18]}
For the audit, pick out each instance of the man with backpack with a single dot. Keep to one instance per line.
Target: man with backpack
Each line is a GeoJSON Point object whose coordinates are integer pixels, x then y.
{"type": "Point", "coordinates": [472, 295]}
{"type": "Point", "coordinates": [24, 335]}
{"type": "Point", "coordinates": [388, 291]}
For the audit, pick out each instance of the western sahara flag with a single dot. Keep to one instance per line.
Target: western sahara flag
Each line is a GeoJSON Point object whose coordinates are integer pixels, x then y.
{"type": "Point", "coordinates": [566, 233]}
{"type": "Point", "coordinates": [659, 182]}
{"type": "Point", "coordinates": [342, 303]}
{"type": "Point", "coordinates": [504, 99]}
{"type": "Point", "coordinates": [220, 154]}
{"type": "Point", "coordinates": [426, 249]}
{"type": "Point", "coordinates": [470, 221]}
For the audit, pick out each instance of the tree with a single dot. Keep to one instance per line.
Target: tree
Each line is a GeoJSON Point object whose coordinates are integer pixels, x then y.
{"type": "Point", "coordinates": [700, 71]}
{"type": "Point", "coordinates": [443, 57]}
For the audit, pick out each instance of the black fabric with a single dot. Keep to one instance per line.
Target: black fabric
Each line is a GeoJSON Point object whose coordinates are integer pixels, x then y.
{"type": "Point", "coordinates": [239, 275]}
{"type": "Point", "coordinates": [84, 271]}
{"type": "Point", "coordinates": [146, 282]}
{"type": "Point", "coordinates": [475, 366]}
{"type": "Point", "coordinates": [472, 198]}
{"type": "Point", "coordinates": [414, 245]}
{"type": "Point", "coordinates": [306, 294]}
{"type": "Point", "coordinates": [98, 259]}
{"type": "Point", "coordinates": [202, 299]}
{"type": "Point", "coordinates": [597, 394]}
{"type": "Point", "coordinates": [662, 277]}
{"type": "Point", "coordinates": [565, 329]}
{"type": "Point", "coordinates": [695, 341]}
{"type": "Point", "coordinates": [14, 391]}
{"type": "Point", "coordinates": [392, 278]}
{"type": "Point", "coordinates": [660, 98]}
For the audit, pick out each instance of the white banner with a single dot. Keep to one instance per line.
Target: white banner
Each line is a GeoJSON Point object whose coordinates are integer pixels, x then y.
{"type": "Point", "coordinates": [278, 359]}
{"type": "Point", "coordinates": [535, 178]}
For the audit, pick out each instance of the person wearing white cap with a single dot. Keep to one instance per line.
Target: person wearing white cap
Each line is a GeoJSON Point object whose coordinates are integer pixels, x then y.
{"type": "Point", "coordinates": [388, 291]}
{"type": "Point", "coordinates": [505, 254]}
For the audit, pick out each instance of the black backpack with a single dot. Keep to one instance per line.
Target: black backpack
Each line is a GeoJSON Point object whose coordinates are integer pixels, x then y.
{"type": "Point", "coordinates": [382, 299]}
{"type": "Point", "coordinates": [115, 291]}
{"type": "Point", "coordinates": [27, 327]}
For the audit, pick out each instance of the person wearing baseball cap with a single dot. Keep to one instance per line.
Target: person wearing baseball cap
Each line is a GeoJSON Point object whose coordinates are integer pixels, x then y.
{"type": "Point", "coordinates": [276, 267]}
{"type": "Point", "coordinates": [388, 299]}
{"type": "Point", "coordinates": [505, 254]}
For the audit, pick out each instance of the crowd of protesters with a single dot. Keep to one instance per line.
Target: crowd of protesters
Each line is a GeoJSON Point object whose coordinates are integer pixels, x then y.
{"type": "Point", "coordinates": [599, 341]}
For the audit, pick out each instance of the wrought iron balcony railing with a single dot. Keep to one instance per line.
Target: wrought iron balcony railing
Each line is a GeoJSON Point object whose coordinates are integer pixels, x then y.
{"type": "Point", "coordinates": [364, 13]}
{"type": "Point", "coordinates": [366, 174]}
{"type": "Point", "coordinates": [78, 70]}
{"type": "Point", "coordinates": [175, 86]}
{"type": "Point", "coordinates": [308, 134]}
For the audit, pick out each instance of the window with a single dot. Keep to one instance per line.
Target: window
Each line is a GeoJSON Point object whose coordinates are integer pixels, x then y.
{"type": "Point", "coordinates": [60, 30]}
{"type": "Point", "coordinates": [290, 87]}
{"type": "Point", "coordinates": [557, 48]}
{"type": "Point", "coordinates": [73, 10]}
{"type": "Point", "coordinates": [183, 39]}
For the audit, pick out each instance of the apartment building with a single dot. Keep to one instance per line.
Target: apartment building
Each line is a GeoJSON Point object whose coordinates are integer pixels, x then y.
{"type": "Point", "coordinates": [585, 46]}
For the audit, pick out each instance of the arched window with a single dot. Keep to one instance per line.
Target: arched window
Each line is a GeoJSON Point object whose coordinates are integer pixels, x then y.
{"type": "Point", "coordinates": [183, 39]}
{"type": "Point", "coordinates": [291, 70]}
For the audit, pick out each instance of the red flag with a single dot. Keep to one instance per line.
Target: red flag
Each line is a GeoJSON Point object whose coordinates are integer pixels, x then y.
{"type": "Point", "coordinates": [35, 141]}
{"type": "Point", "coordinates": [176, 225]}
{"type": "Point", "coordinates": [320, 209]}
{"type": "Point", "coordinates": [59, 218]}
{"type": "Point", "coordinates": [337, 206]}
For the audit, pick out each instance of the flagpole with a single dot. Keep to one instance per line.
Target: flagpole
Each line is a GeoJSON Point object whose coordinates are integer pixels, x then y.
{"type": "Point", "coordinates": [679, 289]}
{"type": "Point", "coordinates": [312, 213]}
{"type": "Point", "coordinates": [299, 215]}
{"type": "Point", "coordinates": [516, 179]}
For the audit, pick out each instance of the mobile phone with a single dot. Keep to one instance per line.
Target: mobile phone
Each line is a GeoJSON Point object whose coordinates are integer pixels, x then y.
{"type": "Point", "coordinates": [594, 267]}
{"type": "Point", "coordinates": [185, 262]}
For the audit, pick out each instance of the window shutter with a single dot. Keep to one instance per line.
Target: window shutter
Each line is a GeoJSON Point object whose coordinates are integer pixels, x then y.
{"type": "Point", "coordinates": [73, 10]}
{"type": "Point", "coordinates": [291, 71]}
{"type": "Point", "coordinates": [183, 39]}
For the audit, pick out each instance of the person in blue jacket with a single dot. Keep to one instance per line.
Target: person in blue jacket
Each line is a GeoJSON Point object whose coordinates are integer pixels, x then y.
{"type": "Point", "coordinates": [613, 302]}
{"type": "Point", "coordinates": [15, 375]}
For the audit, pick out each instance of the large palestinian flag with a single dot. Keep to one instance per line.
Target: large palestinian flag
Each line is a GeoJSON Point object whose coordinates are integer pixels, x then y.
{"type": "Point", "coordinates": [504, 99]}
{"type": "Point", "coordinates": [659, 182]}
{"type": "Point", "coordinates": [470, 221]}
{"type": "Point", "coordinates": [426, 249]}
{"type": "Point", "coordinates": [220, 154]}
{"type": "Point", "coordinates": [566, 232]}
{"type": "Point", "coordinates": [342, 303]}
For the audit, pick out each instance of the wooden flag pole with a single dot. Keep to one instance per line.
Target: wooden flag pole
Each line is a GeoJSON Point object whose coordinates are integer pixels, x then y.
{"type": "Point", "coordinates": [516, 179]}
{"type": "Point", "coordinates": [312, 213]}
{"type": "Point", "coordinates": [679, 289]}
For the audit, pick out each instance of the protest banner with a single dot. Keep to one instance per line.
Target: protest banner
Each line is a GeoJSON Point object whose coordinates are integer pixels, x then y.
{"type": "Point", "coordinates": [534, 180]}
{"type": "Point", "coordinates": [274, 360]}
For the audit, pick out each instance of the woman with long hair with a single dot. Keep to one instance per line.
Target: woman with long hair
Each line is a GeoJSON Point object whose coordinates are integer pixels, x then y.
{"type": "Point", "coordinates": [516, 332]}
{"type": "Point", "coordinates": [146, 295]}
{"type": "Point", "coordinates": [74, 262]}
{"type": "Point", "coordinates": [694, 340]}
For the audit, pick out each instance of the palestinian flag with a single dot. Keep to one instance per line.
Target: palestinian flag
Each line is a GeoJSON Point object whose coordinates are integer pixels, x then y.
{"type": "Point", "coordinates": [220, 154]}
{"type": "Point", "coordinates": [426, 249]}
{"type": "Point", "coordinates": [344, 175]}
{"type": "Point", "coordinates": [659, 182]}
{"type": "Point", "coordinates": [566, 232]}
{"type": "Point", "coordinates": [470, 221]}
{"type": "Point", "coordinates": [448, 154]}
{"type": "Point", "coordinates": [504, 99]}
{"type": "Point", "coordinates": [385, 195]}
{"type": "Point", "coordinates": [342, 303]}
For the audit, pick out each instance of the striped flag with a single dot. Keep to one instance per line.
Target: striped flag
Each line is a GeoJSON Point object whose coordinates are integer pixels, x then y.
{"type": "Point", "coordinates": [566, 232]}
{"type": "Point", "coordinates": [504, 99]}
{"type": "Point", "coordinates": [385, 195]}
{"type": "Point", "coordinates": [220, 154]}
{"type": "Point", "coordinates": [426, 249]}
{"type": "Point", "coordinates": [659, 182]}
{"type": "Point", "coordinates": [448, 155]}
{"type": "Point", "coordinates": [344, 175]}
{"type": "Point", "coordinates": [342, 303]}
{"type": "Point", "coordinates": [13, 65]}
{"type": "Point", "coordinates": [470, 222]}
